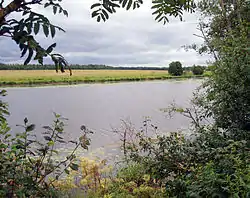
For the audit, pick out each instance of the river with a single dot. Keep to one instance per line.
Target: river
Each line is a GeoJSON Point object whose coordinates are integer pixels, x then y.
{"type": "Point", "coordinates": [101, 107]}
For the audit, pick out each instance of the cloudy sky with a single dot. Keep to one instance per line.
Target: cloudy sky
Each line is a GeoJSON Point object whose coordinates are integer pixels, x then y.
{"type": "Point", "coordinates": [128, 38]}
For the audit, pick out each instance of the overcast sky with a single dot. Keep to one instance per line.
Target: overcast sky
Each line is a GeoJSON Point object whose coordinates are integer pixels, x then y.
{"type": "Point", "coordinates": [128, 38]}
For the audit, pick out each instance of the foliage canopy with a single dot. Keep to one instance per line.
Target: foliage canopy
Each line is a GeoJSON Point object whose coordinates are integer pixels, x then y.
{"type": "Point", "coordinates": [197, 70]}
{"type": "Point", "coordinates": [175, 68]}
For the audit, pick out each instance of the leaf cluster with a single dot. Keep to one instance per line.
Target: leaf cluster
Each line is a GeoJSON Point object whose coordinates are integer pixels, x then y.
{"type": "Point", "coordinates": [162, 9]}
{"type": "Point", "coordinates": [31, 23]}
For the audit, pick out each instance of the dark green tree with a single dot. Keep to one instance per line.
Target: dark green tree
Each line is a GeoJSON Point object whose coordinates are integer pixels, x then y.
{"type": "Point", "coordinates": [197, 70]}
{"type": "Point", "coordinates": [175, 68]}
{"type": "Point", "coordinates": [226, 36]}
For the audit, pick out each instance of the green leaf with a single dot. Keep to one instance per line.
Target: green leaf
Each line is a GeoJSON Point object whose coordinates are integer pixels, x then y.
{"type": "Point", "coordinates": [46, 5]}
{"type": "Point", "coordinates": [66, 171]}
{"type": "Point", "coordinates": [7, 136]}
{"type": "Point", "coordinates": [124, 2]}
{"type": "Point", "coordinates": [46, 30]}
{"type": "Point", "coordinates": [54, 9]}
{"type": "Point", "coordinates": [36, 28]}
{"type": "Point", "coordinates": [107, 8]}
{"type": "Point", "coordinates": [129, 4]}
{"type": "Point", "coordinates": [74, 166]}
{"type": "Point", "coordinates": [29, 56]}
{"type": "Point", "coordinates": [52, 30]}
{"type": "Point", "coordinates": [21, 25]}
{"type": "Point", "coordinates": [156, 6]}
{"type": "Point", "coordinates": [30, 127]}
{"type": "Point", "coordinates": [95, 5]}
{"type": "Point", "coordinates": [25, 48]}
{"type": "Point", "coordinates": [95, 13]}
{"type": "Point", "coordinates": [40, 61]}
{"type": "Point", "coordinates": [50, 48]}
{"type": "Point", "coordinates": [103, 17]}
{"type": "Point", "coordinates": [98, 18]}
{"type": "Point", "coordinates": [51, 143]}
{"type": "Point", "coordinates": [105, 14]}
{"type": "Point", "coordinates": [65, 13]}
{"type": "Point", "coordinates": [29, 28]}
{"type": "Point", "coordinates": [158, 16]}
{"type": "Point", "coordinates": [134, 5]}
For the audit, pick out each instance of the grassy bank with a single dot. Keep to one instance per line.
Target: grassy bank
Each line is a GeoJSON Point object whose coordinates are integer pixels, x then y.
{"type": "Point", "coordinates": [43, 77]}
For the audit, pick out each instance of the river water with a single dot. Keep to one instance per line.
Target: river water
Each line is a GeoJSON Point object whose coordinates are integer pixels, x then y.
{"type": "Point", "coordinates": [101, 107]}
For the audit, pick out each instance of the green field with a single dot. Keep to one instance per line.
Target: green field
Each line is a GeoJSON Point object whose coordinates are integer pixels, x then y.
{"type": "Point", "coordinates": [43, 77]}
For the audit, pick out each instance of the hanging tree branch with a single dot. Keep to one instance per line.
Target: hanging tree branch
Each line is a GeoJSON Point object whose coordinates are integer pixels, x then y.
{"type": "Point", "coordinates": [200, 28]}
{"type": "Point", "coordinates": [24, 30]}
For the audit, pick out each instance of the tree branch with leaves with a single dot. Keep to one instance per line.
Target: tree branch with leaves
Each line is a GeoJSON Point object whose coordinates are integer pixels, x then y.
{"type": "Point", "coordinates": [23, 32]}
{"type": "Point", "coordinates": [162, 9]}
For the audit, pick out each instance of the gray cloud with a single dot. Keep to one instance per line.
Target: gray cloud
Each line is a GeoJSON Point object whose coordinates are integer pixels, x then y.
{"type": "Point", "coordinates": [127, 38]}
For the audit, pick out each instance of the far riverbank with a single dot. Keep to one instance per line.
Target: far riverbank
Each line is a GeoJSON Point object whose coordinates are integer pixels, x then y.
{"type": "Point", "coordinates": [20, 78]}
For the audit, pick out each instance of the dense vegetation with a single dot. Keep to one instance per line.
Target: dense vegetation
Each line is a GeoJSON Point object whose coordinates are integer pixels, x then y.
{"type": "Point", "coordinates": [197, 70]}
{"type": "Point", "coordinates": [212, 160]}
{"type": "Point", "coordinates": [175, 68]}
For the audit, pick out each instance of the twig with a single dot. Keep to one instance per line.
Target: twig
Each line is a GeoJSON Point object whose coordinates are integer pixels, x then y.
{"type": "Point", "coordinates": [207, 41]}
{"type": "Point", "coordinates": [199, 36]}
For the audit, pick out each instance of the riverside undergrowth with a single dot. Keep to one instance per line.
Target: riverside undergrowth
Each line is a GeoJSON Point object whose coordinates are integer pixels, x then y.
{"type": "Point", "coordinates": [29, 166]}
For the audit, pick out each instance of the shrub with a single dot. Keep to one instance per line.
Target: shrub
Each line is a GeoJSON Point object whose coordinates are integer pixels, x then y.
{"type": "Point", "coordinates": [210, 164]}
{"type": "Point", "coordinates": [29, 167]}
{"type": "Point", "coordinates": [197, 70]}
{"type": "Point", "coordinates": [175, 68]}
{"type": "Point", "coordinates": [95, 178]}
{"type": "Point", "coordinates": [91, 179]}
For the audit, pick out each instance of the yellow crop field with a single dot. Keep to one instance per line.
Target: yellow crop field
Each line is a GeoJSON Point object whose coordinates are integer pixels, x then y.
{"type": "Point", "coordinates": [47, 77]}
{"type": "Point", "coordinates": [9, 77]}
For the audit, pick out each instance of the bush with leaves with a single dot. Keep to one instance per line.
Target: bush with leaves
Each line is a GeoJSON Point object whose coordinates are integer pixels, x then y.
{"type": "Point", "coordinates": [29, 167]}
{"type": "Point", "coordinates": [175, 68]}
{"type": "Point", "coordinates": [197, 70]}
{"type": "Point", "coordinates": [205, 163]}
{"type": "Point", "coordinates": [92, 178]}
{"type": "Point", "coordinates": [132, 181]}
{"type": "Point", "coordinates": [226, 174]}
{"type": "Point", "coordinates": [95, 178]}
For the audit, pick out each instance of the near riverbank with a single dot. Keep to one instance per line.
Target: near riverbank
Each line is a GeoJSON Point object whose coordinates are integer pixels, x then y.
{"type": "Point", "coordinates": [49, 77]}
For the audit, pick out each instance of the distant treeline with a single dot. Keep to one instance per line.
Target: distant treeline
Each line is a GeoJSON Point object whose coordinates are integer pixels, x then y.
{"type": "Point", "coordinates": [82, 67]}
